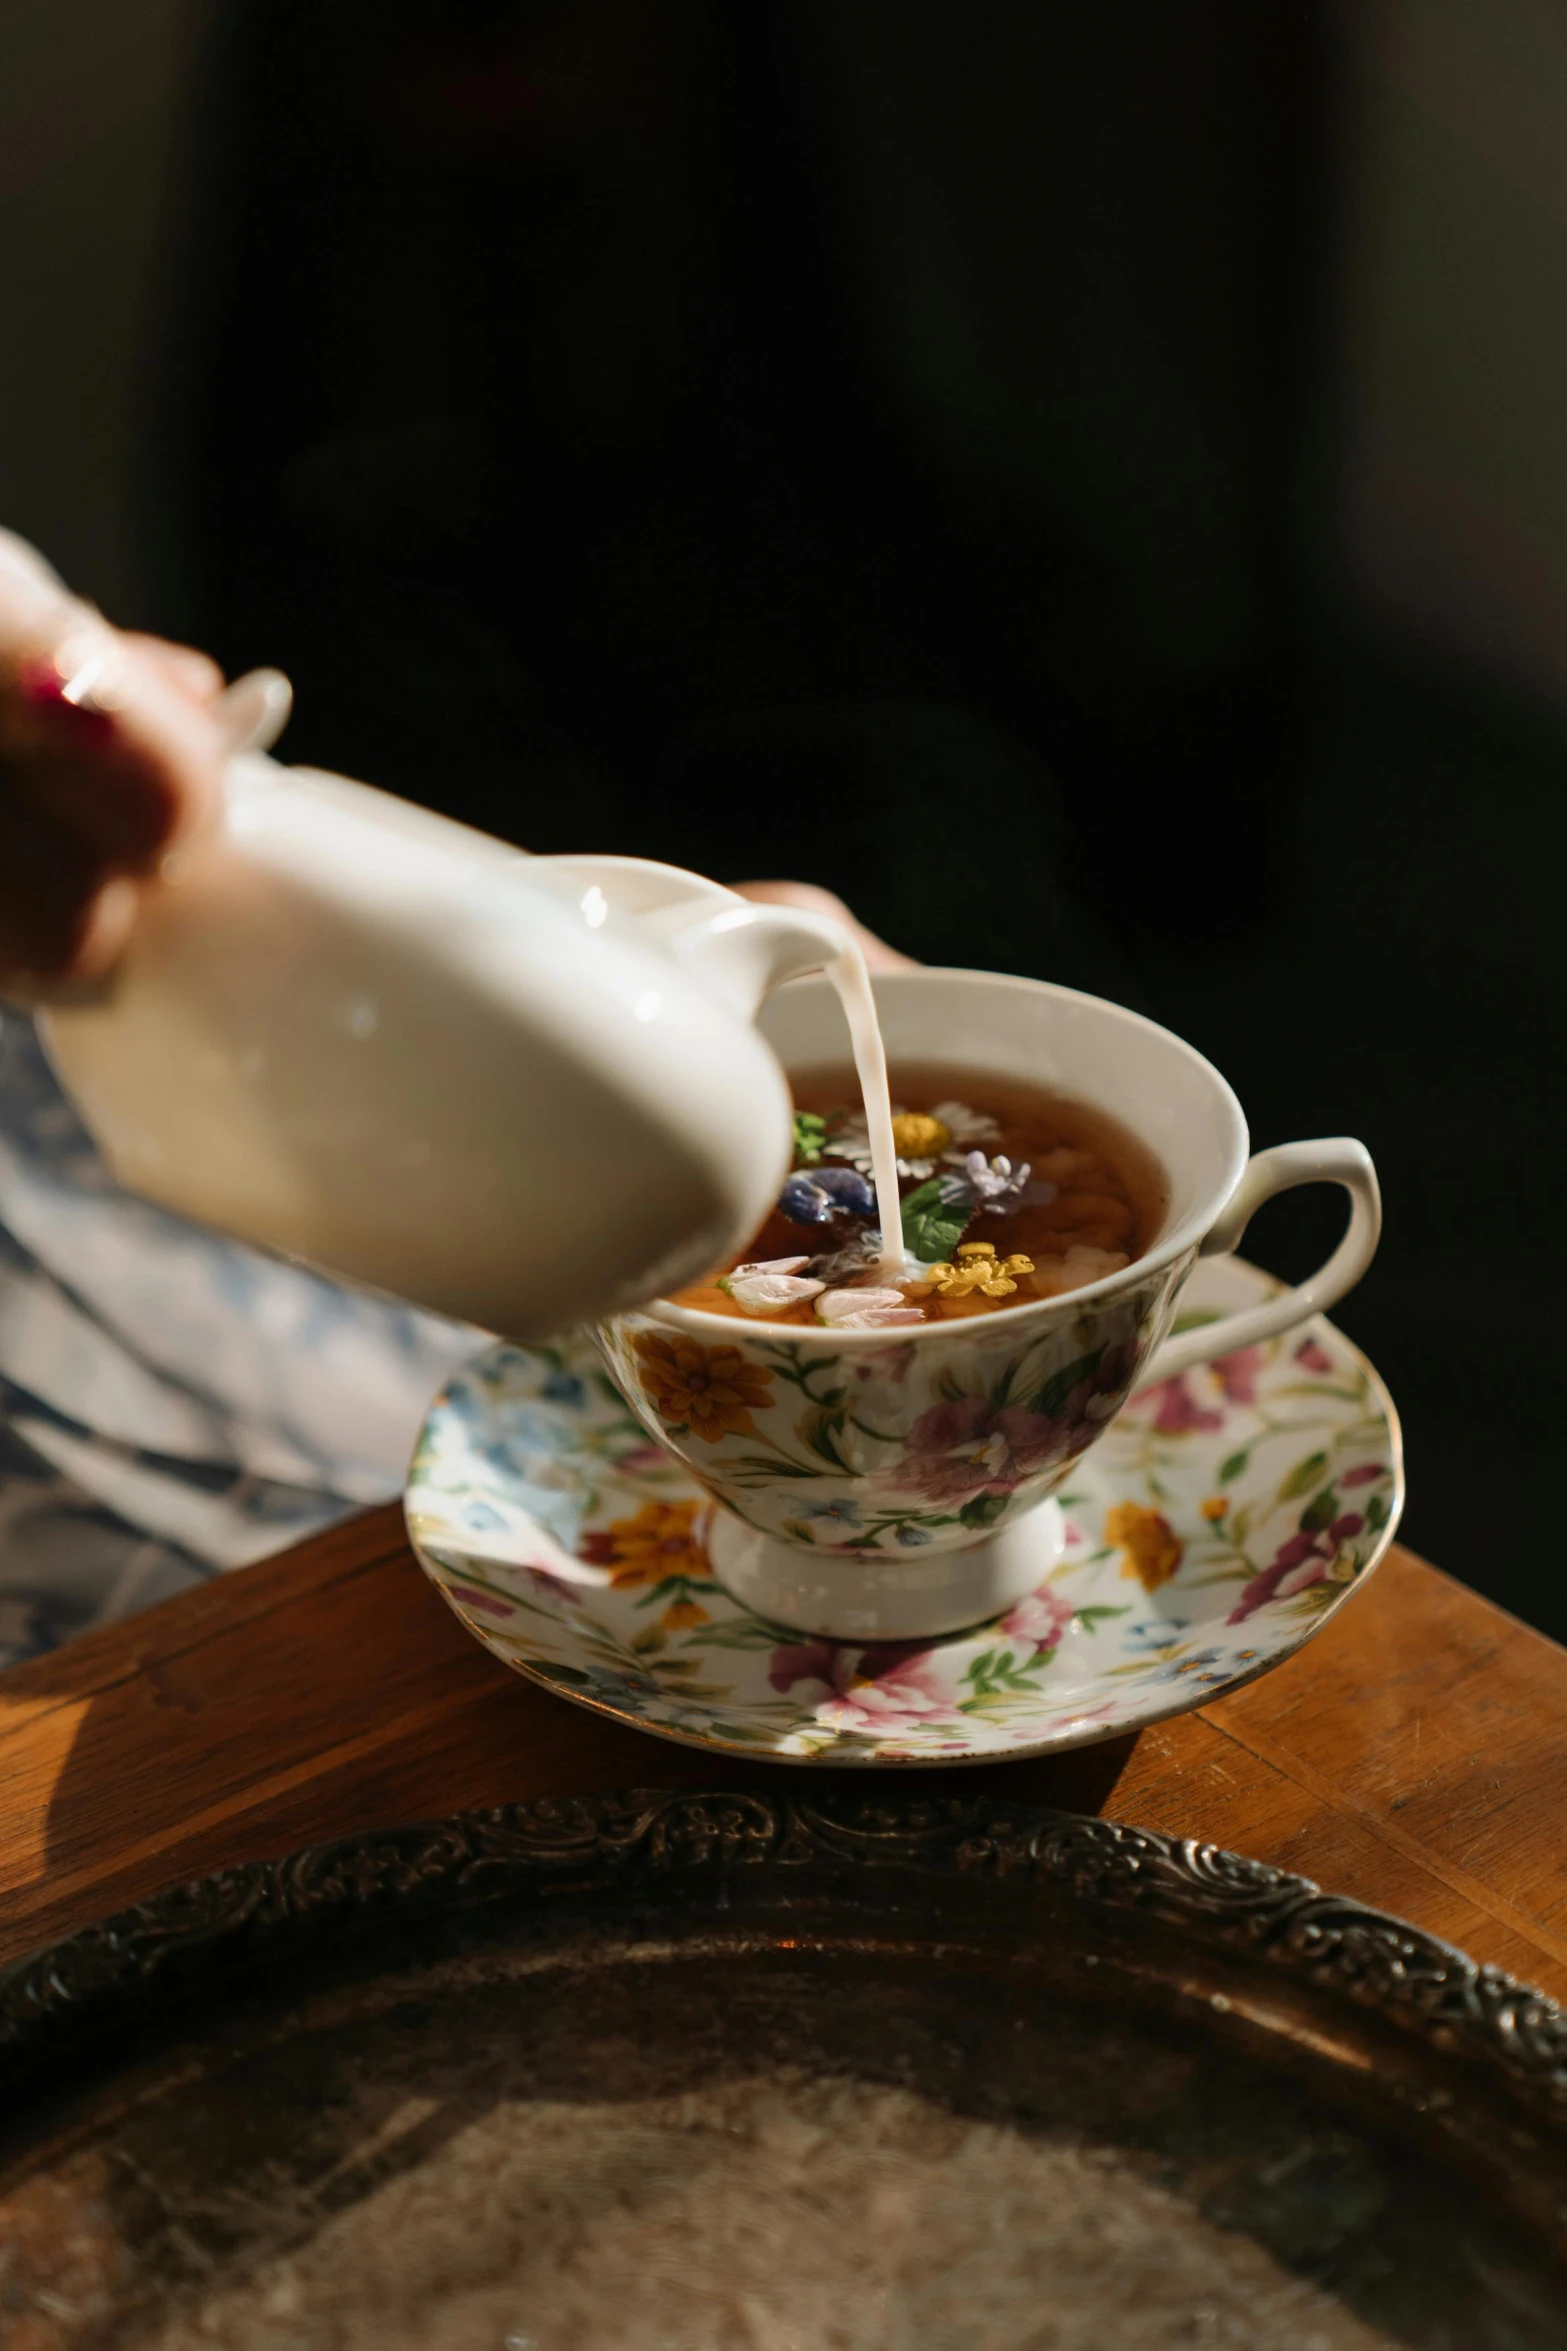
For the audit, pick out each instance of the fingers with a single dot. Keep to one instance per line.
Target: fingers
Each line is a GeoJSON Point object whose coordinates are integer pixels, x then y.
{"type": "Point", "coordinates": [171, 745]}
{"type": "Point", "coordinates": [253, 712]}
{"type": "Point", "coordinates": [878, 955]}
{"type": "Point", "coordinates": [60, 914]}
{"type": "Point", "coordinates": [195, 675]}
{"type": "Point", "coordinates": [126, 770]}
{"type": "Point", "coordinates": [111, 756]}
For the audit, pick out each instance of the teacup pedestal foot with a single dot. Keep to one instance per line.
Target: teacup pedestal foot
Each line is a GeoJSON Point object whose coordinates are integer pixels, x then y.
{"type": "Point", "coordinates": [885, 1596]}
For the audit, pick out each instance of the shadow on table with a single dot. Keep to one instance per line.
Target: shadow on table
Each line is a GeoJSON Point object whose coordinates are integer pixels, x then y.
{"type": "Point", "coordinates": [195, 1763]}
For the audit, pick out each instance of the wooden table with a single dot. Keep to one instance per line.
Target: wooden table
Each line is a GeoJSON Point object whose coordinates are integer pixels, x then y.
{"type": "Point", "coordinates": [1414, 1755]}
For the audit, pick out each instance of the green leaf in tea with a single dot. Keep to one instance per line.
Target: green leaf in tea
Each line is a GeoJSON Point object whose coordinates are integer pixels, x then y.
{"type": "Point", "coordinates": [810, 1138]}
{"type": "Point", "coordinates": [935, 1219]}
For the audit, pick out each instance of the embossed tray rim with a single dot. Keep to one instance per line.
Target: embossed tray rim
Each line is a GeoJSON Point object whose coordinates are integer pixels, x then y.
{"type": "Point", "coordinates": [1416, 2039]}
{"type": "Point", "coordinates": [647, 1843]}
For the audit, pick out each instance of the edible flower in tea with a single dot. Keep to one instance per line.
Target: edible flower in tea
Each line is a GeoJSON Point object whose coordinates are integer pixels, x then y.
{"type": "Point", "coordinates": [919, 1134]}
{"type": "Point", "coordinates": [770, 1286]}
{"type": "Point", "coordinates": [1080, 1201]}
{"type": "Point", "coordinates": [824, 1193]}
{"type": "Point", "coordinates": [866, 1310]}
{"type": "Point", "coordinates": [998, 1187]}
{"type": "Point", "coordinates": [924, 1139]}
{"type": "Point", "coordinates": [977, 1268]}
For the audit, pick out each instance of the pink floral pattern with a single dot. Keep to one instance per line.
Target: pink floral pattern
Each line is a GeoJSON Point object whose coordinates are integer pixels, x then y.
{"type": "Point", "coordinates": [974, 1423]}
{"type": "Point", "coordinates": [1176, 1409]}
{"type": "Point", "coordinates": [956, 1451]}
{"type": "Point", "coordinates": [895, 1685]}
{"type": "Point", "coordinates": [890, 1687]}
{"type": "Point", "coordinates": [1178, 1406]}
{"type": "Point", "coordinates": [1238, 1374]}
{"type": "Point", "coordinates": [1042, 1618]}
{"type": "Point", "coordinates": [1305, 1558]}
{"type": "Point", "coordinates": [973, 1445]}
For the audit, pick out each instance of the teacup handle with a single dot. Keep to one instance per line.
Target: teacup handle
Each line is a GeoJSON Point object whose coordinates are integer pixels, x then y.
{"type": "Point", "coordinates": [1337, 1161]}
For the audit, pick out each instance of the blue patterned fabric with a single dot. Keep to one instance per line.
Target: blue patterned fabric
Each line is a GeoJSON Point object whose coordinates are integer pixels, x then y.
{"type": "Point", "coordinates": [171, 1404]}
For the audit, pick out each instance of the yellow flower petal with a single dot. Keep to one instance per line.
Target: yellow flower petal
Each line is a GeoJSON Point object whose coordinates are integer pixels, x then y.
{"type": "Point", "coordinates": [916, 1135]}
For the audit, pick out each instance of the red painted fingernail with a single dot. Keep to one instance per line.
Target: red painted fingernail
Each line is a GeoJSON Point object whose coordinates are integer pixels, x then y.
{"type": "Point", "coordinates": [64, 702]}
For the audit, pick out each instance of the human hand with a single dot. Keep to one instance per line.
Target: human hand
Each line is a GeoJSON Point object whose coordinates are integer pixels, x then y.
{"type": "Point", "coordinates": [878, 955]}
{"type": "Point", "coordinates": [111, 751]}
{"type": "Point", "coordinates": [112, 748]}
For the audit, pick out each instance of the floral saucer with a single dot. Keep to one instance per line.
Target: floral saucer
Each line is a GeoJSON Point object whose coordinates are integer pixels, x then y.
{"type": "Point", "coordinates": [1224, 1518]}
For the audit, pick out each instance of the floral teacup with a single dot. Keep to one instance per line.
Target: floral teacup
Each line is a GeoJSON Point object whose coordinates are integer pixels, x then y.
{"type": "Point", "coordinates": [887, 1487]}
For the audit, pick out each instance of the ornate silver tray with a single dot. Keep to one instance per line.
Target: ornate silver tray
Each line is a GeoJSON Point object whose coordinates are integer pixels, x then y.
{"type": "Point", "coordinates": [742, 2073]}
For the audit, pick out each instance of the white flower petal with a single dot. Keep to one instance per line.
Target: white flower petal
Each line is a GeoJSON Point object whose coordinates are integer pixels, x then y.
{"type": "Point", "coordinates": [865, 1309]}
{"type": "Point", "coordinates": [855, 1155]}
{"type": "Point", "coordinates": [995, 1183]}
{"type": "Point", "coordinates": [769, 1265]}
{"type": "Point", "coordinates": [768, 1293]}
{"type": "Point", "coordinates": [966, 1125]}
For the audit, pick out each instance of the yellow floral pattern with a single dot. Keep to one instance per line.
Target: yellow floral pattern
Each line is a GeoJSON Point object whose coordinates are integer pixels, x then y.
{"type": "Point", "coordinates": [660, 1541]}
{"type": "Point", "coordinates": [712, 1391]}
{"type": "Point", "coordinates": [1151, 1549]}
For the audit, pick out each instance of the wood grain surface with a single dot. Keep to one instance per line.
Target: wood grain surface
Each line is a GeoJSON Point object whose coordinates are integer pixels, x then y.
{"type": "Point", "coordinates": [1414, 1755]}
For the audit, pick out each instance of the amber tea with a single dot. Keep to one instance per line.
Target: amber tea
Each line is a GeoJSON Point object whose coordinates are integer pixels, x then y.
{"type": "Point", "coordinates": [1007, 1194]}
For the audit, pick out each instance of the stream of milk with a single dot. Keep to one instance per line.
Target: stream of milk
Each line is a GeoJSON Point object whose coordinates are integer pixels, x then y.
{"type": "Point", "coordinates": [853, 984]}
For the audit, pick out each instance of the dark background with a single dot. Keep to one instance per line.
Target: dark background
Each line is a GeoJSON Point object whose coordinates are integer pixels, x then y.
{"type": "Point", "coordinates": [1085, 484]}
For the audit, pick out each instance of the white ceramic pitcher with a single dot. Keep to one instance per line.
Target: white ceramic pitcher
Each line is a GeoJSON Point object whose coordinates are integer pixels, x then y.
{"type": "Point", "coordinates": [522, 1091]}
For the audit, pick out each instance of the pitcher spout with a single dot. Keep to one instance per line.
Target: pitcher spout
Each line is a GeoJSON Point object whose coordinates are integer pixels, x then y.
{"type": "Point", "coordinates": [738, 950]}
{"type": "Point", "coordinates": [742, 952]}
